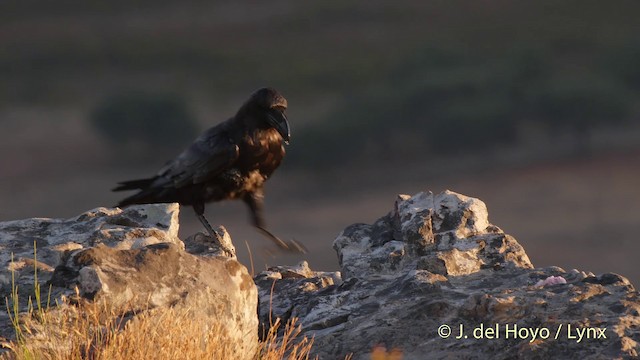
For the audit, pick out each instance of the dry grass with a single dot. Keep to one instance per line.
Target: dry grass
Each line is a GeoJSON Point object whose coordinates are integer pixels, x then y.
{"type": "Point", "coordinates": [96, 331]}
{"type": "Point", "coordinates": [78, 329]}
{"type": "Point", "coordinates": [286, 347]}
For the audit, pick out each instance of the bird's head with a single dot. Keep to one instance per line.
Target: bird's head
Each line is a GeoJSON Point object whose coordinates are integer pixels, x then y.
{"type": "Point", "coordinates": [273, 105]}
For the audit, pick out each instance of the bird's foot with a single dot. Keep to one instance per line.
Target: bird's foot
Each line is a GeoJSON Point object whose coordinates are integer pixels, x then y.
{"type": "Point", "coordinates": [219, 236]}
{"type": "Point", "coordinates": [216, 235]}
{"type": "Point", "coordinates": [219, 242]}
{"type": "Point", "coordinates": [288, 246]}
{"type": "Point", "coordinates": [295, 246]}
{"type": "Point", "coordinates": [213, 236]}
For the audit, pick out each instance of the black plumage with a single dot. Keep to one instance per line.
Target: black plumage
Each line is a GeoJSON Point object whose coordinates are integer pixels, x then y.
{"type": "Point", "coordinates": [231, 160]}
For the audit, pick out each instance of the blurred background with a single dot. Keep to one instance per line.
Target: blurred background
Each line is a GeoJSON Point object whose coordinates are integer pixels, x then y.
{"type": "Point", "coordinates": [530, 106]}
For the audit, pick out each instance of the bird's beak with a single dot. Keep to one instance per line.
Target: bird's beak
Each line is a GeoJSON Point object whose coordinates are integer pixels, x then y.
{"type": "Point", "coordinates": [279, 121]}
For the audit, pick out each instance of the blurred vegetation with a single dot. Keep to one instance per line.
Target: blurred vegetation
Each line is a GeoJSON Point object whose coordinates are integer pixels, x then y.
{"type": "Point", "coordinates": [444, 103]}
{"type": "Point", "coordinates": [394, 80]}
{"type": "Point", "coordinates": [148, 124]}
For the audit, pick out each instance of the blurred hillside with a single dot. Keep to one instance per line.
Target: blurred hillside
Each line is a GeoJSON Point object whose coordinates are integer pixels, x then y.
{"type": "Point", "coordinates": [530, 106]}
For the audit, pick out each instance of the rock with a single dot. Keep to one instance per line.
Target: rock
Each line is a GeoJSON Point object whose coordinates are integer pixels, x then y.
{"type": "Point", "coordinates": [551, 280]}
{"type": "Point", "coordinates": [202, 244]}
{"type": "Point", "coordinates": [291, 287]}
{"type": "Point", "coordinates": [132, 259]}
{"type": "Point", "coordinates": [436, 261]}
{"type": "Point", "coordinates": [130, 228]}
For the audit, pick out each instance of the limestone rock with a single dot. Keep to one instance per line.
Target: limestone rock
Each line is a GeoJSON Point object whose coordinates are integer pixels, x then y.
{"type": "Point", "coordinates": [202, 244]}
{"type": "Point", "coordinates": [130, 228]}
{"type": "Point", "coordinates": [284, 290]}
{"type": "Point", "coordinates": [436, 260]}
{"type": "Point", "coordinates": [132, 258]}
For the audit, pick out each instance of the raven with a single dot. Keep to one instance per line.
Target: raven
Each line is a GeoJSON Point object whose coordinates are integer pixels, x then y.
{"type": "Point", "coordinates": [231, 160]}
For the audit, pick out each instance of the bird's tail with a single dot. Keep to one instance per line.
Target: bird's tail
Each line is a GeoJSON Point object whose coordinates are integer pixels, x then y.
{"type": "Point", "coordinates": [145, 196]}
{"type": "Point", "coordinates": [140, 198]}
{"type": "Point", "coordinates": [133, 184]}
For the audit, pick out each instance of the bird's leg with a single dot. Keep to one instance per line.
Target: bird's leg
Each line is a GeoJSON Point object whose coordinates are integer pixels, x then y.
{"type": "Point", "coordinates": [254, 201]}
{"type": "Point", "coordinates": [199, 209]}
{"type": "Point", "coordinates": [290, 246]}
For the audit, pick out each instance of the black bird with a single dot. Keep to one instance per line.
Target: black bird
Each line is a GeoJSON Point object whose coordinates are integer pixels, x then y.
{"type": "Point", "coordinates": [231, 160]}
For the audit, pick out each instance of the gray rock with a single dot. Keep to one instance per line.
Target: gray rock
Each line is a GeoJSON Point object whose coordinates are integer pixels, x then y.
{"type": "Point", "coordinates": [54, 239]}
{"type": "Point", "coordinates": [285, 289]}
{"type": "Point", "coordinates": [132, 259]}
{"type": "Point", "coordinates": [203, 244]}
{"type": "Point", "coordinates": [436, 260]}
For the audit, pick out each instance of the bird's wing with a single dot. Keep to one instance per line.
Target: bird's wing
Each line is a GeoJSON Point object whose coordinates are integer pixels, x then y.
{"type": "Point", "coordinates": [209, 155]}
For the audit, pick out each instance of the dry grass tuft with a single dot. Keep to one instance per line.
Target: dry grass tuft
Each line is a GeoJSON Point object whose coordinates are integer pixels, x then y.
{"type": "Point", "coordinates": [81, 330]}
{"type": "Point", "coordinates": [95, 331]}
{"type": "Point", "coordinates": [274, 348]}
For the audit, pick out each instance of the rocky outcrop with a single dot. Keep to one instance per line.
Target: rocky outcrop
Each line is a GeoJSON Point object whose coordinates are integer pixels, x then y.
{"type": "Point", "coordinates": [432, 278]}
{"type": "Point", "coordinates": [436, 280]}
{"type": "Point", "coordinates": [132, 259]}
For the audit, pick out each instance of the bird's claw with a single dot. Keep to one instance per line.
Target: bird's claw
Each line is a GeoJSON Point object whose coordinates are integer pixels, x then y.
{"type": "Point", "coordinates": [294, 246]}
{"type": "Point", "coordinates": [219, 237]}
{"type": "Point", "coordinates": [290, 246]}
